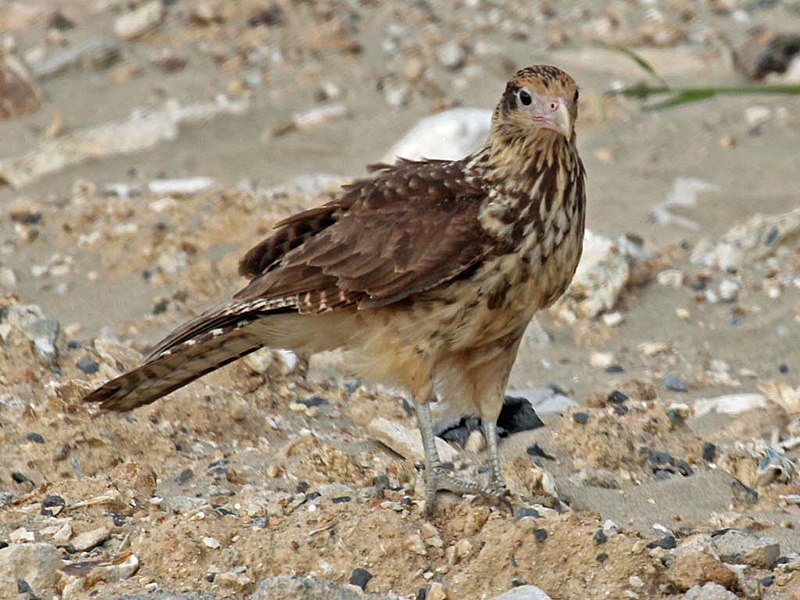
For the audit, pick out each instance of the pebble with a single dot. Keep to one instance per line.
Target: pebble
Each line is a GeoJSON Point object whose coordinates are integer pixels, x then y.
{"type": "Point", "coordinates": [744, 548]}
{"type": "Point", "coordinates": [89, 539]}
{"type": "Point", "coordinates": [526, 511]}
{"type": "Point", "coordinates": [407, 442]}
{"type": "Point", "coordinates": [436, 591]}
{"type": "Point", "coordinates": [729, 290]}
{"type": "Point", "coordinates": [600, 537]}
{"type": "Point", "coordinates": [674, 383]}
{"type": "Point", "coordinates": [63, 534]}
{"type": "Point", "coordinates": [523, 592]}
{"type": "Point", "coordinates": [35, 564]}
{"type": "Point", "coordinates": [610, 528]}
{"type": "Point", "coordinates": [540, 535]}
{"type": "Point", "coordinates": [581, 418]}
{"type": "Point", "coordinates": [601, 360]}
{"type": "Point", "coordinates": [141, 21]}
{"type": "Point", "coordinates": [52, 505]}
{"type": "Point", "coordinates": [667, 543]}
{"type": "Point", "coordinates": [88, 366]}
{"type": "Point", "coordinates": [517, 414]}
{"type": "Point", "coordinates": [19, 94]}
{"type": "Point", "coordinates": [451, 56]}
{"type": "Point", "coordinates": [416, 544]}
{"type": "Point", "coordinates": [8, 279]}
{"type": "Point", "coordinates": [210, 542]}
{"type": "Point", "coordinates": [360, 577]}
{"type": "Point", "coordinates": [695, 567]}
{"type": "Point", "coordinates": [709, 591]}
{"type": "Point", "coordinates": [670, 278]}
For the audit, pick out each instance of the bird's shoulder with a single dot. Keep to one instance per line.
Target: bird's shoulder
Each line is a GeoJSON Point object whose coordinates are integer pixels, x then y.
{"type": "Point", "coordinates": [408, 195]}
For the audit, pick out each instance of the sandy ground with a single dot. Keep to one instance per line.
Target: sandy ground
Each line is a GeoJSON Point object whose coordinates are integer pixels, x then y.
{"type": "Point", "coordinates": [235, 480]}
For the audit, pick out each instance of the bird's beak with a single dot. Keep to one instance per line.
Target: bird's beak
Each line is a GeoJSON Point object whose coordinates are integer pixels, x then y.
{"type": "Point", "coordinates": [563, 120]}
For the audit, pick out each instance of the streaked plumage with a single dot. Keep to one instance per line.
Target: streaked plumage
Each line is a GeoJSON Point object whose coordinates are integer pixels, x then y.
{"type": "Point", "coordinates": [428, 272]}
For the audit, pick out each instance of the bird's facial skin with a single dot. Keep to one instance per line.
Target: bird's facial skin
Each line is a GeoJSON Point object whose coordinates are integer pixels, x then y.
{"type": "Point", "coordinates": [548, 112]}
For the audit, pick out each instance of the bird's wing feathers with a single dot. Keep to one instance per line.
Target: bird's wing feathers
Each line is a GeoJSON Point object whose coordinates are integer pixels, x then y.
{"type": "Point", "coordinates": [408, 229]}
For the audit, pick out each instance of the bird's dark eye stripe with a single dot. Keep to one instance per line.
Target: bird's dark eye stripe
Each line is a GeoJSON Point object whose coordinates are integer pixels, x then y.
{"type": "Point", "coordinates": [525, 97]}
{"type": "Point", "coordinates": [575, 99]}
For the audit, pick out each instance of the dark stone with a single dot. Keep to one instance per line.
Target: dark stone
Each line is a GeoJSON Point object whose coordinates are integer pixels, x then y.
{"type": "Point", "coordinates": [312, 496]}
{"type": "Point", "coordinates": [526, 511]}
{"type": "Point", "coordinates": [19, 477]}
{"type": "Point", "coordinates": [35, 437]}
{"type": "Point", "coordinates": [614, 369]}
{"type": "Point", "coordinates": [684, 468]}
{"type": "Point", "coordinates": [661, 474]}
{"type": "Point", "coordinates": [88, 366]}
{"type": "Point", "coordinates": [360, 577]}
{"type": "Point", "coordinates": [767, 581]}
{"type": "Point", "coordinates": [3, 544]}
{"type": "Point", "coordinates": [602, 557]}
{"type": "Point", "coordinates": [270, 16]}
{"type": "Point", "coordinates": [341, 499]}
{"type": "Point", "coordinates": [119, 520]}
{"type": "Point", "coordinates": [659, 460]}
{"type": "Point", "coordinates": [617, 397]}
{"type": "Point", "coordinates": [600, 537]}
{"type": "Point", "coordinates": [260, 522]}
{"type": "Point", "coordinates": [517, 415]}
{"type": "Point", "coordinates": [667, 542]}
{"type": "Point", "coordinates": [783, 368]}
{"type": "Point", "coordinates": [50, 502]}
{"type": "Point", "coordinates": [536, 450]}
{"type": "Point", "coordinates": [59, 21]}
{"type": "Point", "coordinates": [620, 409]}
{"type": "Point", "coordinates": [302, 487]}
{"type": "Point", "coordinates": [709, 451]}
{"type": "Point", "coordinates": [313, 402]}
{"type": "Point", "coordinates": [422, 593]}
{"type": "Point", "coordinates": [24, 588]}
{"type": "Point", "coordinates": [381, 481]}
{"type": "Point", "coordinates": [581, 418]}
{"type": "Point", "coordinates": [184, 476]}
{"type": "Point", "coordinates": [540, 535]}
{"type": "Point", "coordinates": [742, 493]}
{"type": "Point", "coordinates": [160, 306]}
{"type": "Point", "coordinates": [675, 384]}
{"type": "Point", "coordinates": [73, 345]}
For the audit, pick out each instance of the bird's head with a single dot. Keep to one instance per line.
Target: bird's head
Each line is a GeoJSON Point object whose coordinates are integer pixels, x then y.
{"type": "Point", "coordinates": [538, 98]}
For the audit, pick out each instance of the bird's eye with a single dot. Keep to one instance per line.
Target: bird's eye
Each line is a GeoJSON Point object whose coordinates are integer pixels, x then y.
{"type": "Point", "coordinates": [525, 97]}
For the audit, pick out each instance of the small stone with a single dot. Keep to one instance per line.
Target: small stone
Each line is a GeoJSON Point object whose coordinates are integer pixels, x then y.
{"type": "Point", "coordinates": [141, 21]}
{"type": "Point", "coordinates": [436, 591]}
{"type": "Point", "coordinates": [667, 543]}
{"type": "Point", "coordinates": [613, 319]}
{"type": "Point", "coordinates": [741, 547]}
{"type": "Point", "coordinates": [63, 534]}
{"type": "Point", "coordinates": [210, 542]}
{"type": "Point", "coordinates": [21, 535]}
{"type": "Point", "coordinates": [88, 366]}
{"type": "Point", "coordinates": [475, 442]}
{"type": "Point", "coordinates": [517, 414]}
{"type": "Point", "coordinates": [674, 383]}
{"type": "Point", "coordinates": [617, 397]}
{"type": "Point", "coordinates": [526, 511]}
{"type": "Point", "coordinates": [464, 548]}
{"type": "Point", "coordinates": [8, 279]}
{"type": "Point", "coordinates": [728, 290]}
{"type": "Point", "coordinates": [232, 580]}
{"type": "Point", "coordinates": [52, 505]}
{"type": "Point", "coordinates": [540, 535]}
{"type": "Point", "coordinates": [451, 56]}
{"type": "Point", "coordinates": [709, 451]}
{"type": "Point", "coordinates": [601, 360]}
{"type": "Point", "coordinates": [89, 539]}
{"type": "Point", "coordinates": [727, 141]}
{"type": "Point", "coordinates": [610, 528]}
{"type": "Point", "coordinates": [360, 577]}
{"type": "Point", "coordinates": [523, 592]}
{"type": "Point", "coordinates": [416, 544]}
{"type": "Point", "coordinates": [650, 349]}
{"type": "Point", "coordinates": [37, 438]}
{"type": "Point", "coordinates": [19, 94]}
{"type": "Point", "coordinates": [600, 537]}
{"type": "Point", "coordinates": [709, 591]}
{"type": "Point", "coordinates": [670, 278]}
{"type": "Point", "coordinates": [407, 442]}
{"type": "Point", "coordinates": [581, 418]}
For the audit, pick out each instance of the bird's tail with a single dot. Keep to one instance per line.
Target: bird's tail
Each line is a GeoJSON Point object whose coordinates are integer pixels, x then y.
{"type": "Point", "coordinates": [204, 344]}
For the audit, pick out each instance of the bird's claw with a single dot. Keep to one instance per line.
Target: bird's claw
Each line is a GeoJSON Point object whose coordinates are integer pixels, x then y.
{"type": "Point", "coordinates": [437, 480]}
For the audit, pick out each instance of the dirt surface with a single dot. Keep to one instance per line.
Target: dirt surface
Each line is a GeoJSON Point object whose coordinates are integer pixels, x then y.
{"type": "Point", "coordinates": [268, 467]}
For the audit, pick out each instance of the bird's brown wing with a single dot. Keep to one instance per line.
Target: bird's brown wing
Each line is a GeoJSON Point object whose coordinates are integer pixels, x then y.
{"type": "Point", "coordinates": [408, 229]}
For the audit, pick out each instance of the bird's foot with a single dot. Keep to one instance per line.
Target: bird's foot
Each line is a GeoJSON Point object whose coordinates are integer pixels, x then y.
{"type": "Point", "coordinates": [437, 480]}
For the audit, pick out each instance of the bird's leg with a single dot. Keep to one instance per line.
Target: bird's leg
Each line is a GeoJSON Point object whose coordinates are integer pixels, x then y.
{"type": "Point", "coordinates": [490, 433]}
{"type": "Point", "coordinates": [436, 478]}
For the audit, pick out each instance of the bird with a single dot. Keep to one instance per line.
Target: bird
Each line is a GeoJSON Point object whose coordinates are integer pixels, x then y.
{"type": "Point", "coordinates": [425, 272]}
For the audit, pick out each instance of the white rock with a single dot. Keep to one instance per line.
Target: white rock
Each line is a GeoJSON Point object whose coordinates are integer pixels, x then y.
{"type": "Point", "coordinates": [36, 564]}
{"type": "Point", "coordinates": [181, 187]}
{"type": "Point", "coordinates": [210, 542]}
{"type": "Point", "coordinates": [8, 279]}
{"type": "Point", "coordinates": [744, 548]}
{"type": "Point", "coordinates": [732, 404]}
{"type": "Point", "coordinates": [523, 592]}
{"type": "Point", "coordinates": [89, 539]}
{"type": "Point", "coordinates": [757, 115]}
{"type": "Point", "coordinates": [670, 278]}
{"type": "Point", "coordinates": [63, 534]}
{"type": "Point", "coordinates": [450, 134]}
{"type": "Point", "coordinates": [602, 275]}
{"type": "Point", "coordinates": [543, 400]}
{"type": "Point", "coordinates": [21, 535]}
{"type": "Point", "coordinates": [601, 360]}
{"type": "Point", "coordinates": [141, 21]}
{"type": "Point", "coordinates": [709, 591]}
{"type": "Point", "coordinates": [451, 56]}
{"type": "Point", "coordinates": [407, 442]}
{"type": "Point", "coordinates": [728, 290]}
